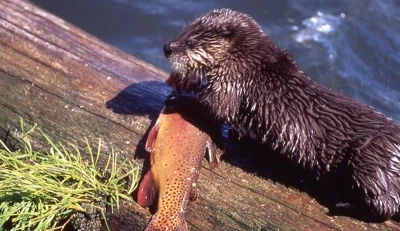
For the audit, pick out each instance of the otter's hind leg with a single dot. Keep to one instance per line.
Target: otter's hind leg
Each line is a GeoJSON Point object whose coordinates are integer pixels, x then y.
{"type": "Point", "coordinates": [378, 193]}
{"type": "Point", "coordinates": [382, 207]}
{"type": "Point", "coordinates": [376, 176]}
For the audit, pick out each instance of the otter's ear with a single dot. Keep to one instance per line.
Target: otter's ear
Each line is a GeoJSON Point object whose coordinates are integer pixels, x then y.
{"type": "Point", "coordinates": [227, 32]}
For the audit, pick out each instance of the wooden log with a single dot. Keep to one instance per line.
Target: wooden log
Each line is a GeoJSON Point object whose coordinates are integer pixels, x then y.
{"type": "Point", "coordinates": [73, 86]}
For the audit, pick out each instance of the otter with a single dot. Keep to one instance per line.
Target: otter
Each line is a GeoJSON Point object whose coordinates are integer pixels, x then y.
{"type": "Point", "coordinates": [240, 77]}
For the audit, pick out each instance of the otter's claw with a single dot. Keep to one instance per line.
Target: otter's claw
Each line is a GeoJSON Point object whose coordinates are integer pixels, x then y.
{"type": "Point", "coordinates": [342, 208]}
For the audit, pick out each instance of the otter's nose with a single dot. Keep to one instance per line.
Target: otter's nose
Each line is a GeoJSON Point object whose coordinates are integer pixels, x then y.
{"type": "Point", "coordinates": [167, 49]}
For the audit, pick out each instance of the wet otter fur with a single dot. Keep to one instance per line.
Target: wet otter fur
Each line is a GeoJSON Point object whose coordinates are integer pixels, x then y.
{"type": "Point", "coordinates": [242, 78]}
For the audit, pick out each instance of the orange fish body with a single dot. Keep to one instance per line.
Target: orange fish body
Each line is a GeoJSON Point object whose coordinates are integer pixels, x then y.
{"type": "Point", "coordinates": [177, 148]}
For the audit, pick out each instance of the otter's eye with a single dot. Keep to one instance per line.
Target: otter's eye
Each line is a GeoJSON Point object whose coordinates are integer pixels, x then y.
{"type": "Point", "coordinates": [190, 43]}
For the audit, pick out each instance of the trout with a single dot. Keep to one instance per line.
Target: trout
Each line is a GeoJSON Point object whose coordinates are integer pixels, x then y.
{"type": "Point", "coordinates": [177, 148]}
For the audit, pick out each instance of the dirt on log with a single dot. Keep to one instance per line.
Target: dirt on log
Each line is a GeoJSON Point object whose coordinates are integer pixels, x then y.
{"type": "Point", "coordinates": [73, 85]}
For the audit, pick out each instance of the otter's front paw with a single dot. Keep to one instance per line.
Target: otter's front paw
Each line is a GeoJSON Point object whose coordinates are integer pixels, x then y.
{"type": "Point", "coordinates": [179, 101]}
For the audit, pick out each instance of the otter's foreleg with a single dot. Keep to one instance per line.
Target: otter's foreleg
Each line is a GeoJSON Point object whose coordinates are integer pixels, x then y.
{"type": "Point", "coordinates": [180, 100]}
{"type": "Point", "coordinates": [184, 102]}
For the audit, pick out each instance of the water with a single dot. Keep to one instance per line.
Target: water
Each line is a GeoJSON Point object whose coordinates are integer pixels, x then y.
{"type": "Point", "coordinates": [350, 46]}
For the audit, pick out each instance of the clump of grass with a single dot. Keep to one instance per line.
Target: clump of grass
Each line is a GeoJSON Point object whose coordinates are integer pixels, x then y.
{"type": "Point", "coordinates": [42, 191]}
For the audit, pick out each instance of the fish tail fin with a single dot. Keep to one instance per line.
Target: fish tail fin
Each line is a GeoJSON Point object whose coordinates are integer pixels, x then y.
{"type": "Point", "coordinates": [158, 223]}
{"type": "Point", "coordinates": [147, 191]}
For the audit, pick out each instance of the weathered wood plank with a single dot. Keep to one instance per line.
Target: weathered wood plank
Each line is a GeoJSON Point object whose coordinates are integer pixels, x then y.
{"type": "Point", "coordinates": [73, 86]}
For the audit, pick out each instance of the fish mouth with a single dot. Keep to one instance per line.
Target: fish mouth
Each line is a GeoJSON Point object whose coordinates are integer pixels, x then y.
{"type": "Point", "coordinates": [187, 81]}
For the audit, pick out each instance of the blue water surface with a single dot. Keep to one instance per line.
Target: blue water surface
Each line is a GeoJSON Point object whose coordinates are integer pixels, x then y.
{"type": "Point", "coordinates": [350, 46]}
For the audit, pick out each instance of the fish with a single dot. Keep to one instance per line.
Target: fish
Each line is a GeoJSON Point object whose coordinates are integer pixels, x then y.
{"type": "Point", "coordinates": [177, 144]}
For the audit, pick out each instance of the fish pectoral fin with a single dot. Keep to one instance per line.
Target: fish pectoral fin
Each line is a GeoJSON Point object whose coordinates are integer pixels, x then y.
{"type": "Point", "coordinates": [147, 191]}
{"type": "Point", "coordinates": [193, 194]}
{"type": "Point", "coordinates": [214, 154]}
{"type": "Point", "coordinates": [151, 138]}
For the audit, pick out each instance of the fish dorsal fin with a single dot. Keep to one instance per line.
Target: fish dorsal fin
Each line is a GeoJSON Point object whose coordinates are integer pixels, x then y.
{"type": "Point", "coordinates": [213, 153]}
{"type": "Point", "coordinates": [147, 191]}
{"type": "Point", "coordinates": [193, 194]}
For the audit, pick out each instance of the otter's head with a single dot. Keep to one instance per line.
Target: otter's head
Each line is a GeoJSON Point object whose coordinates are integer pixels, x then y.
{"type": "Point", "coordinates": [210, 41]}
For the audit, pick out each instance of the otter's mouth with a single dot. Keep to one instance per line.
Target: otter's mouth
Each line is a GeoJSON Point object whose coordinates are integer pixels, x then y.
{"type": "Point", "coordinates": [189, 81]}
